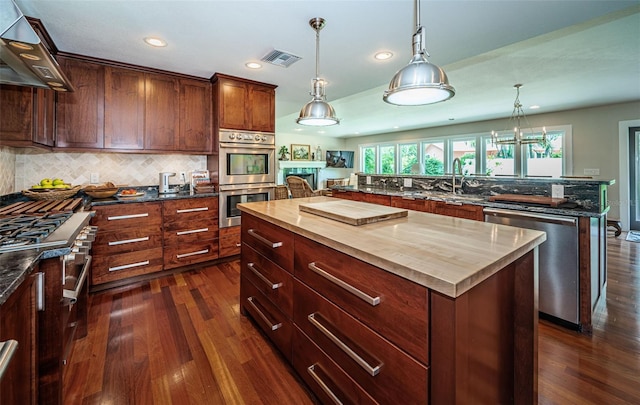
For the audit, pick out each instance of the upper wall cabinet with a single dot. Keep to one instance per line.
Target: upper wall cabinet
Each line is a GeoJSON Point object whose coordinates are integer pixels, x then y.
{"type": "Point", "coordinates": [243, 104]}
{"type": "Point", "coordinates": [26, 116]}
{"type": "Point", "coordinates": [130, 109]}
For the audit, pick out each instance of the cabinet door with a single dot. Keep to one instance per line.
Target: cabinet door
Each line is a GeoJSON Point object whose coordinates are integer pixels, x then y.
{"type": "Point", "coordinates": [123, 109]}
{"type": "Point", "coordinates": [161, 112]}
{"type": "Point", "coordinates": [16, 120]}
{"type": "Point", "coordinates": [233, 101]}
{"type": "Point", "coordinates": [262, 102]}
{"type": "Point", "coordinates": [80, 115]}
{"type": "Point", "coordinates": [466, 211]}
{"type": "Point", "coordinates": [44, 115]}
{"type": "Point", "coordinates": [195, 116]}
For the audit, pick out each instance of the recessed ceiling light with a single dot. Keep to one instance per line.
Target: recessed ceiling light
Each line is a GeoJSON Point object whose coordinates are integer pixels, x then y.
{"type": "Point", "coordinates": [534, 107]}
{"type": "Point", "coordinates": [253, 65]}
{"type": "Point", "coordinates": [383, 55]}
{"type": "Point", "coordinates": [157, 42]}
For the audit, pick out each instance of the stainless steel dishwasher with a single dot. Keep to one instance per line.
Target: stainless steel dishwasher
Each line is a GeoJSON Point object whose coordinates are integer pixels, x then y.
{"type": "Point", "coordinates": [558, 260]}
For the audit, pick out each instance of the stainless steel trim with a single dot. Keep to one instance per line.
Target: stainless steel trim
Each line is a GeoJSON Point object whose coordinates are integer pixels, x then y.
{"type": "Point", "coordinates": [198, 252]}
{"type": "Point", "coordinates": [552, 219]}
{"type": "Point", "coordinates": [272, 285]}
{"type": "Point", "coordinates": [192, 231]}
{"type": "Point", "coordinates": [325, 387]}
{"type": "Point", "coordinates": [246, 145]}
{"type": "Point", "coordinates": [129, 266]}
{"type": "Point", "coordinates": [264, 240]}
{"type": "Point", "coordinates": [7, 350]}
{"type": "Point", "coordinates": [40, 301]}
{"type": "Point", "coordinates": [125, 241]}
{"type": "Point", "coordinates": [192, 210]}
{"type": "Point", "coordinates": [246, 187]}
{"type": "Point", "coordinates": [373, 371]}
{"type": "Point", "coordinates": [373, 301]}
{"type": "Point", "coordinates": [73, 294]}
{"type": "Point", "coordinates": [264, 318]}
{"type": "Point", "coordinates": [117, 217]}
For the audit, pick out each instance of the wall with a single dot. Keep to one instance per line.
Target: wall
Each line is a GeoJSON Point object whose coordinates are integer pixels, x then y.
{"type": "Point", "coordinates": [326, 143]}
{"type": "Point", "coordinates": [595, 138]}
{"type": "Point", "coordinates": [7, 170]}
{"type": "Point", "coordinates": [31, 165]}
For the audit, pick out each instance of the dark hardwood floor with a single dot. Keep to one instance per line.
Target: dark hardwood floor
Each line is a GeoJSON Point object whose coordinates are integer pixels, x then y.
{"type": "Point", "coordinates": [181, 340]}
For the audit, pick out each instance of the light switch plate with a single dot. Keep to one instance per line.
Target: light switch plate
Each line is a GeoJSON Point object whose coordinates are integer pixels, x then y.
{"type": "Point", "coordinates": [557, 191]}
{"type": "Point", "coordinates": [95, 178]}
{"type": "Point", "coordinates": [408, 182]}
{"type": "Point", "coordinates": [368, 179]}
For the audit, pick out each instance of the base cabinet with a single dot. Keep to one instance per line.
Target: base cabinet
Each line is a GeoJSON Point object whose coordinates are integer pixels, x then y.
{"type": "Point", "coordinates": [230, 241]}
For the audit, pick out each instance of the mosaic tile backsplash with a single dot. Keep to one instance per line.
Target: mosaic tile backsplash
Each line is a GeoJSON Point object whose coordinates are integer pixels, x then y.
{"type": "Point", "coordinates": [76, 168]}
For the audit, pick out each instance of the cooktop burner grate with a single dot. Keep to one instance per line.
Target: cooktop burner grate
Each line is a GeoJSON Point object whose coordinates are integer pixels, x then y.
{"type": "Point", "coordinates": [25, 231]}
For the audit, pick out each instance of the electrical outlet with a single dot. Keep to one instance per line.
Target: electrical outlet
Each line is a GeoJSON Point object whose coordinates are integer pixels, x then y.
{"type": "Point", "coordinates": [95, 178]}
{"type": "Point", "coordinates": [368, 179]}
{"type": "Point", "coordinates": [557, 191]}
{"type": "Point", "coordinates": [592, 172]}
{"type": "Point", "coordinates": [408, 182]}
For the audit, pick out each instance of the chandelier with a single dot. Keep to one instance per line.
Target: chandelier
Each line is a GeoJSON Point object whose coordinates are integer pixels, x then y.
{"type": "Point", "coordinates": [519, 136]}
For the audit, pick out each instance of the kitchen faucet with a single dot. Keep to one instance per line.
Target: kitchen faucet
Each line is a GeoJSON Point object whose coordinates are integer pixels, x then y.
{"type": "Point", "coordinates": [453, 175]}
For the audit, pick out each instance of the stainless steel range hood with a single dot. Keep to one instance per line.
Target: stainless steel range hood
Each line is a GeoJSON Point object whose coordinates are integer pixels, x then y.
{"type": "Point", "coordinates": [24, 59]}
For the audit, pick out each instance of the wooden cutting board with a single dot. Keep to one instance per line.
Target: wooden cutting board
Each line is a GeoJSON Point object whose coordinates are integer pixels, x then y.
{"type": "Point", "coordinates": [41, 206]}
{"type": "Point", "coordinates": [532, 199]}
{"type": "Point", "coordinates": [353, 212]}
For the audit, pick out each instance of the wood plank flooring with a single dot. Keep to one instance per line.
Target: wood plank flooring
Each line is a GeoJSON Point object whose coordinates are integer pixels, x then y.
{"type": "Point", "coordinates": [181, 340]}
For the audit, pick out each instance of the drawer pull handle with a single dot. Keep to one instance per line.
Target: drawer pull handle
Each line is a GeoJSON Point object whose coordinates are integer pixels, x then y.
{"type": "Point", "coordinates": [373, 301]}
{"type": "Point", "coordinates": [373, 371]}
{"type": "Point", "coordinates": [238, 244]}
{"type": "Point", "coordinates": [192, 210]}
{"type": "Point", "coordinates": [273, 286]}
{"type": "Point", "coordinates": [7, 350]}
{"type": "Point", "coordinates": [198, 252]}
{"type": "Point", "coordinates": [129, 266]}
{"type": "Point", "coordinates": [312, 371]}
{"type": "Point", "coordinates": [264, 240]}
{"type": "Point", "coordinates": [192, 231]}
{"type": "Point", "coordinates": [125, 241]}
{"type": "Point", "coordinates": [263, 316]}
{"type": "Point", "coordinates": [117, 217]}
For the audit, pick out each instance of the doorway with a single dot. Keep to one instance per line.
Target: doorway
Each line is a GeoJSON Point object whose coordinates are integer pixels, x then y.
{"type": "Point", "coordinates": [634, 178]}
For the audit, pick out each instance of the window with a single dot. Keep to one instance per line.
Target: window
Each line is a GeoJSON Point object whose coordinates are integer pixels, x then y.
{"type": "Point", "coordinates": [477, 154]}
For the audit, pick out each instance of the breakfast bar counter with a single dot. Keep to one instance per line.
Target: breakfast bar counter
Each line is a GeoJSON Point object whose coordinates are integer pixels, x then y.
{"type": "Point", "coordinates": [404, 307]}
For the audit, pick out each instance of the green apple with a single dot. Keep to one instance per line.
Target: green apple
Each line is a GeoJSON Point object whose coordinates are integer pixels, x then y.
{"type": "Point", "coordinates": [60, 186]}
{"type": "Point", "coordinates": [36, 186]}
{"type": "Point", "coordinates": [46, 182]}
{"type": "Point", "coordinates": [57, 182]}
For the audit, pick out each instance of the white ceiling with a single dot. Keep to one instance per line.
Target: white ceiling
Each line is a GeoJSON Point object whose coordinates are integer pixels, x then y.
{"type": "Point", "coordinates": [567, 53]}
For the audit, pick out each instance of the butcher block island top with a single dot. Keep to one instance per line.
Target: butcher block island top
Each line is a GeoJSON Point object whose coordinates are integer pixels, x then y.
{"type": "Point", "coordinates": [446, 254]}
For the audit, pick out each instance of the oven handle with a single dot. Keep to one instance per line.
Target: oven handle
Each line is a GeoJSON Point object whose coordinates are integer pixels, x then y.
{"type": "Point", "coordinates": [246, 146]}
{"type": "Point", "coordinates": [72, 295]}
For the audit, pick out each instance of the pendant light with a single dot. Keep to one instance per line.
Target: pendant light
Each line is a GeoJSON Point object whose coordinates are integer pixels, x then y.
{"type": "Point", "coordinates": [317, 112]}
{"type": "Point", "coordinates": [420, 82]}
{"type": "Point", "coordinates": [521, 136]}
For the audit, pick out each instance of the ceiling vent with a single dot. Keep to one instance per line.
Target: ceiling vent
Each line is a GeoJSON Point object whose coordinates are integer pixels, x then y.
{"type": "Point", "coordinates": [280, 58]}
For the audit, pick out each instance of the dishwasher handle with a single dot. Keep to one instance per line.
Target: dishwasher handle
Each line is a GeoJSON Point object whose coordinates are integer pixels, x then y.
{"type": "Point", "coordinates": [552, 219]}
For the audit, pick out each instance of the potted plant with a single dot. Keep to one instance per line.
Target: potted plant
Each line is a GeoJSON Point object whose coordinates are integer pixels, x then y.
{"type": "Point", "coordinates": [283, 152]}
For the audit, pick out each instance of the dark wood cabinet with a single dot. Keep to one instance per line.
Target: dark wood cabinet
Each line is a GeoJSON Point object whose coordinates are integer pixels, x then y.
{"type": "Point", "coordinates": [80, 114]}
{"type": "Point", "coordinates": [26, 116]}
{"type": "Point", "coordinates": [229, 241]}
{"type": "Point", "coordinates": [467, 211]}
{"type": "Point", "coordinates": [161, 113]}
{"type": "Point", "coordinates": [18, 321]}
{"type": "Point", "coordinates": [243, 104]}
{"type": "Point", "coordinates": [124, 107]}
{"type": "Point", "coordinates": [195, 116]}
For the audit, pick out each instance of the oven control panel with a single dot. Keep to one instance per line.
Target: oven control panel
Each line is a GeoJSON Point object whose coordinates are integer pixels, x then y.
{"type": "Point", "coordinates": [246, 137]}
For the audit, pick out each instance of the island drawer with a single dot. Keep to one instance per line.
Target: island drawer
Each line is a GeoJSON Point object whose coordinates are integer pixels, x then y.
{"type": "Point", "coordinates": [275, 283]}
{"type": "Point", "coordinates": [394, 307]}
{"type": "Point", "coordinates": [273, 242]}
{"type": "Point", "coordinates": [327, 380]}
{"type": "Point", "coordinates": [106, 268]}
{"type": "Point", "coordinates": [118, 216]}
{"type": "Point", "coordinates": [190, 231]}
{"type": "Point", "coordinates": [189, 209]}
{"type": "Point", "coordinates": [190, 253]}
{"type": "Point", "coordinates": [378, 366]}
{"type": "Point", "coordinates": [127, 240]}
{"type": "Point", "coordinates": [267, 316]}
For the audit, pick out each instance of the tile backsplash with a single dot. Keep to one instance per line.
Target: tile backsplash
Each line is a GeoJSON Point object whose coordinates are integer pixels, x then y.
{"type": "Point", "coordinates": [76, 168]}
{"type": "Point", "coordinates": [7, 169]}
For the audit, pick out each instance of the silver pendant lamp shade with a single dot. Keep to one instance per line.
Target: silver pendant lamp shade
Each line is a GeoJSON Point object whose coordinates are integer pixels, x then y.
{"type": "Point", "coordinates": [317, 112]}
{"type": "Point", "coordinates": [420, 82]}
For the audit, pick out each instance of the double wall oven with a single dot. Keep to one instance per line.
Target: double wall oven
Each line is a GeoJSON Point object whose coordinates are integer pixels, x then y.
{"type": "Point", "coordinates": [246, 171]}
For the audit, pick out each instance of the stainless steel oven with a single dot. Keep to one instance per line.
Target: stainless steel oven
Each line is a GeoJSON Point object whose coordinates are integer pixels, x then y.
{"type": "Point", "coordinates": [246, 158]}
{"type": "Point", "coordinates": [232, 195]}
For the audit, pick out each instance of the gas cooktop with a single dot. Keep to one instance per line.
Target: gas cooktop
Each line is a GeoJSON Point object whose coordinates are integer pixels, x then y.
{"type": "Point", "coordinates": [24, 232]}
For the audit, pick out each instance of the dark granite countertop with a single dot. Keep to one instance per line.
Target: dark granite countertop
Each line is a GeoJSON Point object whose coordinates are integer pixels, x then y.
{"type": "Point", "coordinates": [474, 199]}
{"type": "Point", "coordinates": [149, 194]}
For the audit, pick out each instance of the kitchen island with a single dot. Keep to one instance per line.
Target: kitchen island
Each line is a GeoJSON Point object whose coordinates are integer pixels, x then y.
{"type": "Point", "coordinates": [423, 308]}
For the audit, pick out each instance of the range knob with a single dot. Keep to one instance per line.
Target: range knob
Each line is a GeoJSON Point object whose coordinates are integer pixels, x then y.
{"type": "Point", "coordinates": [258, 137]}
{"type": "Point", "coordinates": [232, 136]}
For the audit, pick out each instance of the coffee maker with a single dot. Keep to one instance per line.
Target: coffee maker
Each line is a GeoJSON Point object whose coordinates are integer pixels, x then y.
{"type": "Point", "coordinates": [163, 187]}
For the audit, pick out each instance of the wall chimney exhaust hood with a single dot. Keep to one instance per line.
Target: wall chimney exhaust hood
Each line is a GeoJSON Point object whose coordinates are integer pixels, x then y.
{"type": "Point", "coordinates": [24, 59]}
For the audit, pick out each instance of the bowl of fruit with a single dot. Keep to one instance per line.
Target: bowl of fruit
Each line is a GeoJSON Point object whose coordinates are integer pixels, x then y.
{"type": "Point", "coordinates": [51, 189]}
{"type": "Point", "coordinates": [105, 190]}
